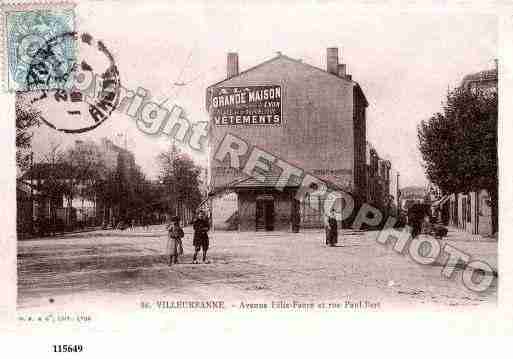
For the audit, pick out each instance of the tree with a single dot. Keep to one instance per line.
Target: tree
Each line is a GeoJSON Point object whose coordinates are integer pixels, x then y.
{"type": "Point", "coordinates": [180, 178]}
{"type": "Point", "coordinates": [125, 189]}
{"type": "Point", "coordinates": [459, 145]}
{"type": "Point", "coordinates": [85, 167]}
{"type": "Point", "coordinates": [26, 118]}
{"type": "Point", "coordinates": [49, 176]}
{"type": "Point", "coordinates": [82, 170]}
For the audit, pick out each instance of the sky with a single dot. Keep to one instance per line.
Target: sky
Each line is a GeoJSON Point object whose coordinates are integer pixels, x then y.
{"type": "Point", "coordinates": [405, 62]}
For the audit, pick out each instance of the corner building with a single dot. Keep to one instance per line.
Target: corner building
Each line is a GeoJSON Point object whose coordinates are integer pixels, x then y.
{"type": "Point", "coordinates": [313, 119]}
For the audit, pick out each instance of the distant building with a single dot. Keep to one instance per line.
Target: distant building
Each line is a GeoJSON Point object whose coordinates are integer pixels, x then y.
{"type": "Point", "coordinates": [373, 195]}
{"type": "Point", "coordinates": [411, 195]}
{"type": "Point", "coordinates": [394, 191]}
{"type": "Point", "coordinates": [112, 154]}
{"type": "Point", "coordinates": [121, 161]}
{"type": "Point", "coordinates": [382, 182]}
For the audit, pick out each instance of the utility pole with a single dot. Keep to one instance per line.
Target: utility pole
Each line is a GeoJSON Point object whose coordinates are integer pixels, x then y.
{"type": "Point", "coordinates": [173, 178]}
{"type": "Point", "coordinates": [398, 193]}
{"type": "Point", "coordinates": [31, 192]}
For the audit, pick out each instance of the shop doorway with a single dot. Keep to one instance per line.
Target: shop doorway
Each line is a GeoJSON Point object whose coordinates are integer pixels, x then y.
{"type": "Point", "coordinates": [265, 214]}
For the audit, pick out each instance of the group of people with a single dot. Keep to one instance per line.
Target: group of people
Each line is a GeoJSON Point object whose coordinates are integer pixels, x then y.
{"type": "Point", "coordinates": [131, 223]}
{"type": "Point", "coordinates": [200, 241]}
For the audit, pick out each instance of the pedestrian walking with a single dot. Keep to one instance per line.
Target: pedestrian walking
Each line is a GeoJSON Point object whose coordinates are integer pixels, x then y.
{"type": "Point", "coordinates": [331, 230]}
{"type": "Point", "coordinates": [174, 241]}
{"type": "Point", "coordinates": [416, 217]}
{"type": "Point", "coordinates": [201, 227]}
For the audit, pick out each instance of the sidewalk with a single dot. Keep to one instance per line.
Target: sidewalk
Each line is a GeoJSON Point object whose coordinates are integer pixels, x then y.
{"type": "Point", "coordinates": [153, 231]}
{"type": "Point", "coordinates": [477, 249]}
{"type": "Point", "coordinates": [477, 246]}
{"type": "Point", "coordinates": [458, 234]}
{"type": "Point", "coordinates": [29, 237]}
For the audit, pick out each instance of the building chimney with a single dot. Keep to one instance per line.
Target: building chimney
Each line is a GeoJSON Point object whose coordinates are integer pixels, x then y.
{"type": "Point", "coordinates": [232, 65]}
{"type": "Point", "coordinates": [342, 70]}
{"type": "Point", "coordinates": [332, 60]}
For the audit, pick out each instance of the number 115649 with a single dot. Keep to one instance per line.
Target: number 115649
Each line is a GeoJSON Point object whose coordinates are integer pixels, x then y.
{"type": "Point", "coordinates": [67, 348]}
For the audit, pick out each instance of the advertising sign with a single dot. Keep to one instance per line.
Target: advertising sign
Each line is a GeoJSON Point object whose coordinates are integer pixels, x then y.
{"type": "Point", "coordinates": [246, 105]}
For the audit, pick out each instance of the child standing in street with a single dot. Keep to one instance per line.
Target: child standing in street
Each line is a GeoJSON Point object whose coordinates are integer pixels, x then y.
{"type": "Point", "coordinates": [174, 242]}
{"type": "Point", "coordinates": [200, 240]}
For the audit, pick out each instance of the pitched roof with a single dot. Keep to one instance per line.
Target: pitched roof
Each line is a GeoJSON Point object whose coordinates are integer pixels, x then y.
{"type": "Point", "coordinates": [270, 181]}
{"type": "Point", "coordinates": [281, 56]}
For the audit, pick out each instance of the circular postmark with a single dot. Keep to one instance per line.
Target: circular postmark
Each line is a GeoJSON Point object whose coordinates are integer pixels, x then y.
{"type": "Point", "coordinates": [73, 94]}
{"type": "Point", "coordinates": [51, 66]}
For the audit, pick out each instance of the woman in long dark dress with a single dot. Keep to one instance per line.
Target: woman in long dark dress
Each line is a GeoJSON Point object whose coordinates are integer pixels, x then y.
{"type": "Point", "coordinates": [331, 230]}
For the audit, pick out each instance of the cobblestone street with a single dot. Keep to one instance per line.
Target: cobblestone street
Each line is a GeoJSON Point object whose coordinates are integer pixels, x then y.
{"type": "Point", "coordinates": [101, 267]}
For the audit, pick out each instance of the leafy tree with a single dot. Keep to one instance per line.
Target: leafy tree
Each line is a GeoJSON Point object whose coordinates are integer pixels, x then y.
{"type": "Point", "coordinates": [180, 179]}
{"type": "Point", "coordinates": [82, 171]}
{"type": "Point", "coordinates": [26, 118]}
{"type": "Point", "coordinates": [48, 177]}
{"type": "Point", "coordinates": [85, 166]}
{"type": "Point", "coordinates": [459, 145]}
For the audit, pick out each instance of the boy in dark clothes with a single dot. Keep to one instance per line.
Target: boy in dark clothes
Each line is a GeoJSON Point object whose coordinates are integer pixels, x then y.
{"type": "Point", "coordinates": [201, 227]}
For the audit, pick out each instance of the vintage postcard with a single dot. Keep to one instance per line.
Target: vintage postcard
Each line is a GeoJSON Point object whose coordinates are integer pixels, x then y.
{"type": "Point", "coordinates": [167, 160]}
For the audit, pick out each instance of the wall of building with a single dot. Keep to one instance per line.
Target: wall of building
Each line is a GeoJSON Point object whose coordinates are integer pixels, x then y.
{"type": "Point", "coordinates": [247, 211]}
{"type": "Point", "coordinates": [473, 197]}
{"type": "Point", "coordinates": [453, 210]}
{"type": "Point", "coordinates": [484, 213]}
{"type": "Point", "coordinates": [360, 146]}
{"type": "Point", "coordinates": [479, 220]}
{"type": "Point", "coordinates": [224, 209]}
{"type": "Point", "coordinates": [394, 188]}
{"type": "Point", "coordinates": [282, 209]}
{"type": "Point", "coordinates": [317, 120]}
